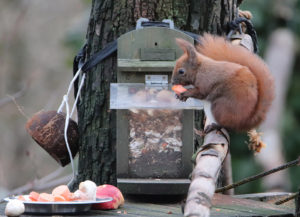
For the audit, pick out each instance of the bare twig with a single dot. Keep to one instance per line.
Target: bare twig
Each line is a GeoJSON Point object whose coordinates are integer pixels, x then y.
{"type": "Point", "coordinates": [252, 178]}
{"type": "Point", "coordinates": [10, 98]}
{"type": "Point", "coordinates": [20, 109]}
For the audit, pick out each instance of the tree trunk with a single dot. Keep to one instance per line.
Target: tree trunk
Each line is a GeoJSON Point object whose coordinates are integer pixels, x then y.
{"type": "Point", "coordinates": [108, 20]}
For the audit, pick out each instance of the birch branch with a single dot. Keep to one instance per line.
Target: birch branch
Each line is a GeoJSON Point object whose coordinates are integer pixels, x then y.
{"type": "Point", "coordinates": [205, 174]}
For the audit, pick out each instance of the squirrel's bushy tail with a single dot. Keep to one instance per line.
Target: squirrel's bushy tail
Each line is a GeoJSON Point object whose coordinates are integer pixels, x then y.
{"type": "Point", "coordinates": [219, 49]}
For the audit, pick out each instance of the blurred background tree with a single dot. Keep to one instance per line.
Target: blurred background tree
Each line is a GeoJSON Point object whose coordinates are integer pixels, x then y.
{"type": "Point", "coordinates": [38, 41]}
{"type": "Point", "coordinates": [270, 17]}
{"type": "Point", "coordinates": [35, 69]}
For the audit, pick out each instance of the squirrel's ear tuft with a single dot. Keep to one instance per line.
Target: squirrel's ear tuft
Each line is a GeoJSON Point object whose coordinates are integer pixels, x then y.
{"type": "Point", "coordinates": [187, 47]}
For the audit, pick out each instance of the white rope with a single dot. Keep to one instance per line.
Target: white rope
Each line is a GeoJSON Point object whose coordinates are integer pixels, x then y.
{"type": "Point", "coordinates": [69, 89]}
{"type": "Point", "coordinates": [78, 94]}
{"type": "Point", "coordinates": [66, 137]}
{"type": "Point", "coordinates": [69, 115]}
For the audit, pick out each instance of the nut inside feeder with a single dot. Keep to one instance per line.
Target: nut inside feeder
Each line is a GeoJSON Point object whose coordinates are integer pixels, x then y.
{"type": "Point", "coordinates": [155, 143]}
{"type": "Point", "coordinates": [47, 129]}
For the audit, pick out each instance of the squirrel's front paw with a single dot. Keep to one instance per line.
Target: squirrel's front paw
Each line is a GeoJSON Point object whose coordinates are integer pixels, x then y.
{"type": "Point", "coordinates": [182, 97]}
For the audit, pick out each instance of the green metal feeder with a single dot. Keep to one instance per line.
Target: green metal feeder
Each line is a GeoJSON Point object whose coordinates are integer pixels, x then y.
{"type": "Point", "coordinates": [155, 131]}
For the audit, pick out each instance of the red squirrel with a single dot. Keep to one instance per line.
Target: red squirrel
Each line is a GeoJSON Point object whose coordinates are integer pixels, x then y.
{"type": "Point", "coordinates": [235, 84]}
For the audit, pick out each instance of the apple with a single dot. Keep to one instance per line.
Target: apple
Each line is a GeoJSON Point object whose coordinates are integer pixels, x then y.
{"type": "Point", "coordinates": [104, 191]}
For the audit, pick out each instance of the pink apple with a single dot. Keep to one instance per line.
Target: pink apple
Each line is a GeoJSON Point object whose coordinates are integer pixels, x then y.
{"type": "Point", "coordinates": [104, 191]}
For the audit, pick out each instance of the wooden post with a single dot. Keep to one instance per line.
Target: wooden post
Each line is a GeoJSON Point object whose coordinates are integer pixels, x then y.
{"type": "Point", "coordinates": [209, 161]}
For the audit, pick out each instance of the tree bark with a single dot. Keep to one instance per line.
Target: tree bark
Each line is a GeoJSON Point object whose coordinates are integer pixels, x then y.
{"type": "Point", "coordinates": [108, 20]}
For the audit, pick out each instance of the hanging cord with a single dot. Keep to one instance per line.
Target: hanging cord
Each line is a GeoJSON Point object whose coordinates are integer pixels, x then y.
{"type": "Point", "coordinates": [69, 89]}
{"type": "Point", "coordinates": [78, 94]}
{"type": "Point", "coordinates": [69, 115]}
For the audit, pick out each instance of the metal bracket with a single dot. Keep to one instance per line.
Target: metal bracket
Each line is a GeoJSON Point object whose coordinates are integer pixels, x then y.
{"type": "Point", "coordinates": [156, 80]}
{"type": "Point", "coordinates": [171, 23]}
{"type": "Point", "coordinates": [141, 20]}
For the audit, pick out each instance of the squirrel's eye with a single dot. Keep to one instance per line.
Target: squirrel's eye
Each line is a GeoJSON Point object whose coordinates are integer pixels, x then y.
{"type": "Point", "coordinates": [181, 71]}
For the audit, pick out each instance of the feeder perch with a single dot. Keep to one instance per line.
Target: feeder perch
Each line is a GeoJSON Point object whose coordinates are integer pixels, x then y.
{"type": "Point", "coordinates": [47, 129]}
{"type": "Point", "coordinates": [155, 139]}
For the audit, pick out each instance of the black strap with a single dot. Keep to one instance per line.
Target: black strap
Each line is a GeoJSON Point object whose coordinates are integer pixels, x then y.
{"type": "Point", "coordinates": [112, 46]}
{"type": "Point", "coordinates": [109, 49]}
{"type": "Point", "coordinates": [106, 51]}
{"type": "Point", "coordinates": [93, 61]}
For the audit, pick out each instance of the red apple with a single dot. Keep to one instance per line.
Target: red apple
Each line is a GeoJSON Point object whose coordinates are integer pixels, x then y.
{"type": "Point", "coordinates": [104, 191]}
